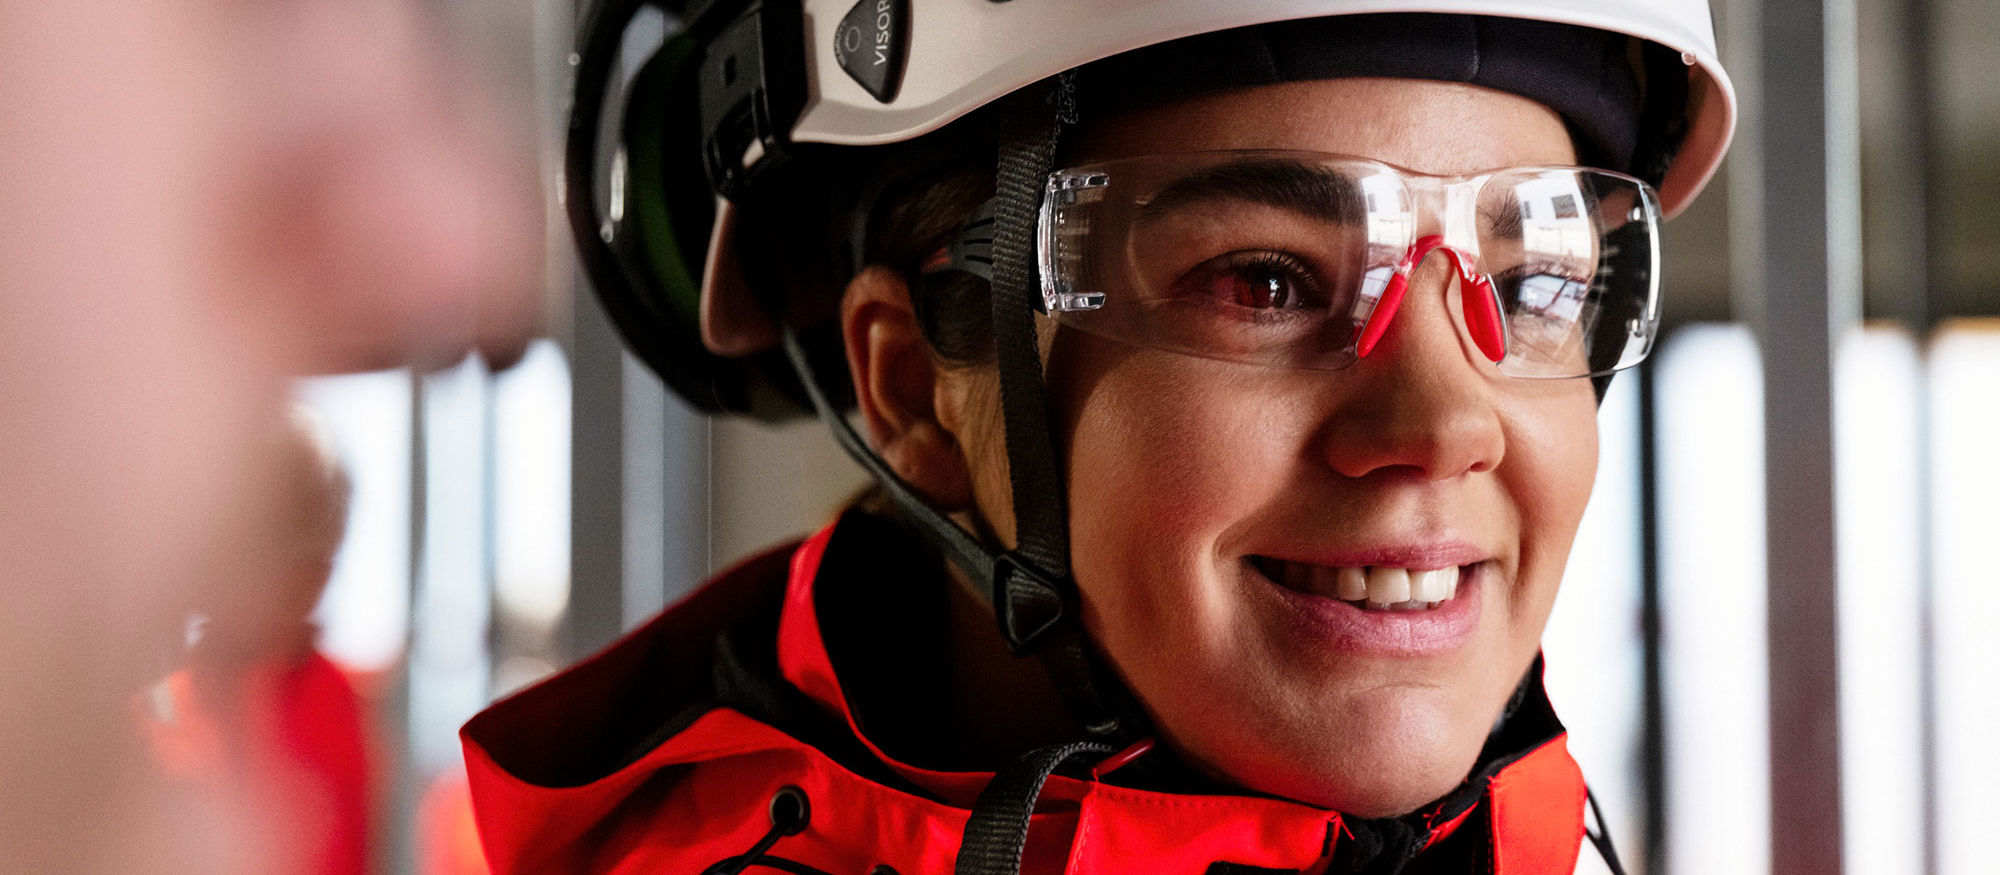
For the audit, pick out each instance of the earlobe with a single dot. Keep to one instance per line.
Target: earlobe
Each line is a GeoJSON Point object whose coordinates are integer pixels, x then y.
{"type": "Point", "coordinates": [895, 380]}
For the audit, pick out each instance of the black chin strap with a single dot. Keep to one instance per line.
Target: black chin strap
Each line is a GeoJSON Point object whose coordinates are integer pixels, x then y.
{"type": "Point", "coordinates": [1032, 594]}
{"type": "Point", "coordinates": [956, 543]}
{"type": "Point", "coordinates": [1037, 603]}
{"type": "Point", "coordinates": [1059, 636]}
{"type": "Point", "coordinates": [1029, 130]}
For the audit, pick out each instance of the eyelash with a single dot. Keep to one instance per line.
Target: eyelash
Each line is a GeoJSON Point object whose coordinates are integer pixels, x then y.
{"type": "Point", "coordinates": [1268, 263]}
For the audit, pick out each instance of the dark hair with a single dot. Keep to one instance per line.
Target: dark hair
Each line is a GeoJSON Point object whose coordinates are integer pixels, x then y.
{"type": "Point", "coordinates": [916, 217]}
{"type": "Point", "coordinates": [893, 206]}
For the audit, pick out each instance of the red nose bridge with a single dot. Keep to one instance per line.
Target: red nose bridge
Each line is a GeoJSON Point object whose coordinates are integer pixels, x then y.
{"type": "Point", "coordinates": [1482, 306]}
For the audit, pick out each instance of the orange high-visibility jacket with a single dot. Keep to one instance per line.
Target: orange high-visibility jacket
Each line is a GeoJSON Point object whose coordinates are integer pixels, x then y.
{"type": "Point", "coordinates": [670, 751]}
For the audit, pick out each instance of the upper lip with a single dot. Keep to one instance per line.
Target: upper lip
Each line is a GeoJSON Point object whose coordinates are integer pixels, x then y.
{"type": "Point", "coordinates": [1418, 556]}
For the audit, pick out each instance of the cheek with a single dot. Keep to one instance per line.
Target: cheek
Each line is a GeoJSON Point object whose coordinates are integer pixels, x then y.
{"type": "Point", "coordinates": [1159, 464]}
{"type": "Point", "coordinates": [1552, 466]}
{"type": "Point", "coordinates": [1165, 454]}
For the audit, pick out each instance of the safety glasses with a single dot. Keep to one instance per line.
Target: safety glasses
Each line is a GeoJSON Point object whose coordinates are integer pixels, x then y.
{"type": "Point", "coordinates": [1303, 260]}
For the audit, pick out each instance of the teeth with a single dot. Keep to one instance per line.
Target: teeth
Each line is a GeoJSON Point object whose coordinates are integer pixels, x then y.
{"type": "Point", "coordinates": [1377, 588]}
{"type": "Point", "coordinates": [1425, 586]}
{"type": "Point", "coordinates": [1387, 586]}
{"type": "Point", "coordinates": [1353, 585]}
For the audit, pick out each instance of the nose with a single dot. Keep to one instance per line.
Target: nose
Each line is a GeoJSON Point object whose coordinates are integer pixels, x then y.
{"type": "Point", "coordinates": [1423, 404]}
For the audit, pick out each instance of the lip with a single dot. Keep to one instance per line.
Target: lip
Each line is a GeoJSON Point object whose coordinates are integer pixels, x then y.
{"type": "Point", "coordinates": [1336, 625]}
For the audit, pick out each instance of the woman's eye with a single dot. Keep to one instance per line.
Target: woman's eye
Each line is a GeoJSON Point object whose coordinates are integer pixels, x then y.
{"type": "Point", "coordinates": [1258, 281]}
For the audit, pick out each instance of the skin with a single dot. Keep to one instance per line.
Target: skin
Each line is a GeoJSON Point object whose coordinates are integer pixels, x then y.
{"type": "Point", "coordinates": [1180, 467]}
{"type": "Point", "coordinates": [203, 200]}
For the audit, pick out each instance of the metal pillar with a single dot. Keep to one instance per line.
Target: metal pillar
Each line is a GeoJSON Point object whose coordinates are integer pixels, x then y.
{"type": "Point", "coordinates": [1919, 158]}
{"type": "Point", "coordinates": [640, 458]}
{"type": "Point", "coordinates": [1804, 256]}
{"type": "Point", "coordinates": [1652, 740]}
{"type": "Point", "coordinates": [597, 480]}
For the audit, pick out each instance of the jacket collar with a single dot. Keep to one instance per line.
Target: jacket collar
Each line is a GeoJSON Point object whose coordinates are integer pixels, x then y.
{"type": "Point", "coordinates": [1527, 794]}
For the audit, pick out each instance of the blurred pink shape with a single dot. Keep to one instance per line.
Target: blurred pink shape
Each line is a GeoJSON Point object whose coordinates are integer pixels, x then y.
{"type": "Point", "coordinates": [200, 200]}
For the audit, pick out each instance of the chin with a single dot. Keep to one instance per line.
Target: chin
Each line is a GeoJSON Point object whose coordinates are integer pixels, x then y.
{"type": "Point", "coordinates": [1376, 790]}
{"type": "Point", "coordinates": [1396, 757]}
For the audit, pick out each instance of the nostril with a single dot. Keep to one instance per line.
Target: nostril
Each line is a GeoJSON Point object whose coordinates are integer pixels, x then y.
{"type": "Point", "coordinates": [1415, 430]}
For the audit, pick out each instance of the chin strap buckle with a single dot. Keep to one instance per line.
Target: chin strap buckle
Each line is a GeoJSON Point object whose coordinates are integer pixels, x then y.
{"type": "Point", "coordinates": [1027, 600]}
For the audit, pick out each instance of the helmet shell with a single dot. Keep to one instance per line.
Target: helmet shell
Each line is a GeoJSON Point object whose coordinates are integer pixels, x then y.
{"type": "Point", "coordinates": [964, 54]}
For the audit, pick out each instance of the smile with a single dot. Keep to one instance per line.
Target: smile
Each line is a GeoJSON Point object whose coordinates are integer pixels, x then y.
{"type": "Point", "coordinates": [1395, 607]}
{"type": "Point", "coordinates": [1370, 588]}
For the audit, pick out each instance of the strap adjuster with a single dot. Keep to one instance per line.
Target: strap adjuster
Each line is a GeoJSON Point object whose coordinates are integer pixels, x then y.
{"type": "Point", "coordinates": [1027, 601]}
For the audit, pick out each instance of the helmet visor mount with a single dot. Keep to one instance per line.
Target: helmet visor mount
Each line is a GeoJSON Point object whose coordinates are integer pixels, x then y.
{"type": "Point", "coordinates": [1302, 260]}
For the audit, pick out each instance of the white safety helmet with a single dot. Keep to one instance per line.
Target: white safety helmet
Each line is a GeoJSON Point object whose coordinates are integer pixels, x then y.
{"type": "Point", "coordinates": [959, 55]}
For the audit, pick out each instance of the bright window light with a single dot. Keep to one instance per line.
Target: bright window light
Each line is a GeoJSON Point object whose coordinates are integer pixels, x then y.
{"type": "Point", "coordinates": [1712, 601]}
{"type": "Point", "coordinates": [1593, 645]}
{"type": "Point", "coordinates": [1965, 494]}
{"type": "Point", "coordinates": [364, 616]}
{"type": "Point", "coordinates": [449, 658]}
{"type": "Point", "coordinates": [1876, 374]}
{"type": "Point", "coordinates": [531, 420]}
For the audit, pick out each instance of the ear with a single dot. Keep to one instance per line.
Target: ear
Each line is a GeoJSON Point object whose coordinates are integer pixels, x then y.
{"type": "Point", "coordinates": [731, 323]}
{"type": "Point", "coordinates": [895, 384]}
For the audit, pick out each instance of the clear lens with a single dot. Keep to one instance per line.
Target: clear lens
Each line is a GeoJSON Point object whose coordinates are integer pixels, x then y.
{"type": "Point", "coordinates": [1282, 258]}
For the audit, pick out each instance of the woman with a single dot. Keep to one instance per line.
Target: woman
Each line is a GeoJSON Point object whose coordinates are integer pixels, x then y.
{"type": "Point", "coordinates": [1277, 490]}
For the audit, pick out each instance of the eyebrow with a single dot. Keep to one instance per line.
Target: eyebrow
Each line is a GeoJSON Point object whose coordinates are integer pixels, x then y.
{"type": "Point", "coordinates": [1314, 192]}
{"type": "Point", "coordinates": [1506, 222]}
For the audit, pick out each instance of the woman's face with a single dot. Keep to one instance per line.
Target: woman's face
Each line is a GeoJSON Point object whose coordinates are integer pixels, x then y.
{"type": "Point", "coordinates": [1213, 504]}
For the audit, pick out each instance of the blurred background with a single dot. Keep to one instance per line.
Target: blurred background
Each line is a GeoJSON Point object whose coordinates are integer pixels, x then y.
{"type": "Point", "coordinates": [504, 525]}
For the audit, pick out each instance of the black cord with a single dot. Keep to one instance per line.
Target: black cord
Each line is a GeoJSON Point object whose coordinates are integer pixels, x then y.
{"type": "Point", "coordinates": [1601, 838]}
{"type": "Point", "coordinates": [767, 861]}
{"type": "Point", "coordinates": [790, 811]}
{"type": "Point", "coordinates": [955, 542]}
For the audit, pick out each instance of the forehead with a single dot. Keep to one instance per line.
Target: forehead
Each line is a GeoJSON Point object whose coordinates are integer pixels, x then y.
{"type": "Point", "coordinates": [1443, 128]}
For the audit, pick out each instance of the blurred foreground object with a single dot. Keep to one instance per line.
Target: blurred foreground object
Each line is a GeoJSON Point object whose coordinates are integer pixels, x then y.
{"type": "Point", "coordinates": [201, 201]}
{"type": "Point", "coordinates": [256, 710]}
